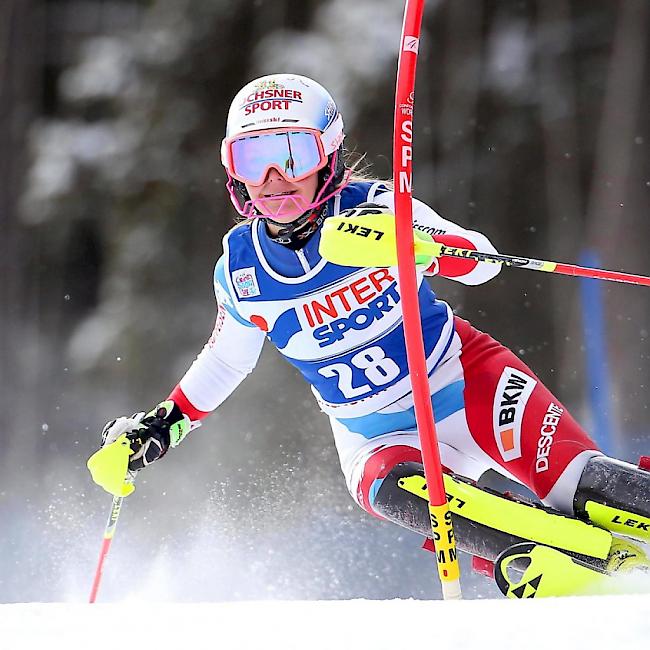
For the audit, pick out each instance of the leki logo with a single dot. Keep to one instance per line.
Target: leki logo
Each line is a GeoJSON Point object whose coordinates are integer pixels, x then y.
{"type": "Point", "coordinates": [361, 231]}
{"type": "Point", "coordinates": [510, 398]}
{"type": "Point", "coordinates": [115, 511]}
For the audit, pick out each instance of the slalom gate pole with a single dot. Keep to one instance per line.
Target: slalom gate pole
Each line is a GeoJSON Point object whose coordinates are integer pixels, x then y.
{"type": "Point", "coordinates": [441, 525]}
{"type": "Point", "coordinates": [109, 532]}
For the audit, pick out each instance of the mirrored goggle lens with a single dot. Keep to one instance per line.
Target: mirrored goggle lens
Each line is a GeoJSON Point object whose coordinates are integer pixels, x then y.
{"type": "Point", "coordinates": [295, 153]}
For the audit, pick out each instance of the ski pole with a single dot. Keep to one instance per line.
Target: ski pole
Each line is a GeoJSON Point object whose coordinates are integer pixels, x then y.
{"type": "Point", "coordinates": [109, 533]}
{"type": "Point", "coordinates": [370, 240]}
{"type": "Point", "coordinates": [540, 265]}
{"type": "Point", "coordinates": [439, 513]}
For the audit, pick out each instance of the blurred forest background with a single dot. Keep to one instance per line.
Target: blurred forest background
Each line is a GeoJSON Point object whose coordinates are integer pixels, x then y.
{"type": "Point", "coordinates": [531, 125]}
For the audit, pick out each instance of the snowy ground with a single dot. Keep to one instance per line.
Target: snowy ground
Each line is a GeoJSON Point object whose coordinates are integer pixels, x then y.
{"type": "Point", "coordinates": [576, 623]}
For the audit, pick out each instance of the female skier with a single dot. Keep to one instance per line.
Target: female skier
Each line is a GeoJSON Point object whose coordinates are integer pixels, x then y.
{"type": "Point", "coordinates": [341, 327]}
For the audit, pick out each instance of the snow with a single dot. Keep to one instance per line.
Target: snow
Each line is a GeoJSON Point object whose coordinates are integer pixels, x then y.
{"type": "Point", "coordinates": [587, 622]}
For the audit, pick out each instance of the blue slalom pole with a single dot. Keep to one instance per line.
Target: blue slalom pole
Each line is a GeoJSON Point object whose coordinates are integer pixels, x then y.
{"type": "Point", "coordinates": [596, 357]}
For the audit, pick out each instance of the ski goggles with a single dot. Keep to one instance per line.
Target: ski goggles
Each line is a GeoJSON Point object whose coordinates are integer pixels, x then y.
{"type": "Point", "coordinates": [296, 154]}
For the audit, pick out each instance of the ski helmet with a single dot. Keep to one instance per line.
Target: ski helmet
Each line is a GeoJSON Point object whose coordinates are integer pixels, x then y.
{"type": "Point", "coordinates": [288, 104]}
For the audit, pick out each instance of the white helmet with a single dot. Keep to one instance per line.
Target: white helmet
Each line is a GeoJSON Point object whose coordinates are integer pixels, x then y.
{"type": "Point", "coordinates": [284, 101]}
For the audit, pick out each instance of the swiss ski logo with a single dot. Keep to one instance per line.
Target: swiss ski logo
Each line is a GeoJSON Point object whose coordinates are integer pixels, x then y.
{"type": "Point", "coordinates": [512, 393]}
{"type": "Point", "coordinates": [245, 283]}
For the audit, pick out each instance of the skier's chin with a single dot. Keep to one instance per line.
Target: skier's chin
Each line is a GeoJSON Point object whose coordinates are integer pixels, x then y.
{"type": "Point", "coordinates": [283, 217]}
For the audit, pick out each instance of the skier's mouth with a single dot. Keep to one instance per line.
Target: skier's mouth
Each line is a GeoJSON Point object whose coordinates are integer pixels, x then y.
{"type": "Point", "coordinates": [279, 195]}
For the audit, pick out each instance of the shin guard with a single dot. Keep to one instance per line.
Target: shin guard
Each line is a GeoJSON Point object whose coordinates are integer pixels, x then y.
{"type": "Point", "coordinates": [616, 496]}
{"type": "Point", "coordinates": [485, 523]}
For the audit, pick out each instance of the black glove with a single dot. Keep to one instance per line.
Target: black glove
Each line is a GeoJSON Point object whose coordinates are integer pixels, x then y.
{"type": "Point", "coordinates": [150, 435]}
{"type": "Point", "coordinates": [365, 208]}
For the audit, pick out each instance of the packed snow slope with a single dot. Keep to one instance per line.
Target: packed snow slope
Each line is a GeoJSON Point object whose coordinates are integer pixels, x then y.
{"type": "Point", "coordinates": [575, 623]}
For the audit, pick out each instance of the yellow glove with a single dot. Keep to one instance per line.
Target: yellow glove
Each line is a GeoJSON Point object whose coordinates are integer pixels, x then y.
{"type": "Point", "coordinates": [109, 467]}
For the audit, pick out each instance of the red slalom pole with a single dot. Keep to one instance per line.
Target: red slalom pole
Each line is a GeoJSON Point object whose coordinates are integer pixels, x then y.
{"type": "Point", "coordinates": [441, 526]}
{"type": "Point", "coordinates": [109, 532]}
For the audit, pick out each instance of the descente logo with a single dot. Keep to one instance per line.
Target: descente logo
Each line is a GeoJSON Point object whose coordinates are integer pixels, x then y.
{"type": "Point", "coordinates": [546, 433]}
{"type": "Point", "coordinates": [510, 398]}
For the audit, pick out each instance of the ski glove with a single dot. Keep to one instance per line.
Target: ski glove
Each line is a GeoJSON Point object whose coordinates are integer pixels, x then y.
{"type": "Point", "coordinates": [150, 435]}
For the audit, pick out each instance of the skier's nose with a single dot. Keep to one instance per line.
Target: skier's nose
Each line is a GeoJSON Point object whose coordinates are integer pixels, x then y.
{"type": "Point", "coordinates": [273, 175]}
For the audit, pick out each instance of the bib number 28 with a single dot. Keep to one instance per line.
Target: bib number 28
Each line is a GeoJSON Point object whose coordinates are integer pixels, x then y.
{"type": "Point", "coordinates": [376, 366]}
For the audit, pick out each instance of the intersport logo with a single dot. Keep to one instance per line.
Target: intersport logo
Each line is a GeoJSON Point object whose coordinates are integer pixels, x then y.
{"type": "Point", "coordinates": [510, 398]}
{"type": "Point", "coordinates": [354, 306]}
